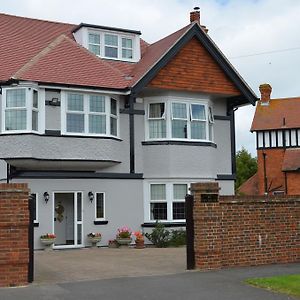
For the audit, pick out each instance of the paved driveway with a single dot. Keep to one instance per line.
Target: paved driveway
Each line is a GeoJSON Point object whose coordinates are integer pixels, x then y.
{"type": "Point", "coordinates": [213, 285]}
{"type": "Point", "coordinates": [102, 263]}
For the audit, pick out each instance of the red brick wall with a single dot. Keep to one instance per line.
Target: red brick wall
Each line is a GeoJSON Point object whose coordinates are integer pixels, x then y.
{"type": "Point", "coordinates": [193, 69]}
{"type": "Point", "coordinates": [293, 183]}
{"type": "Point", "coordinates": [245, 231]}
{"type": "Point", "coordinates": [14, 221]}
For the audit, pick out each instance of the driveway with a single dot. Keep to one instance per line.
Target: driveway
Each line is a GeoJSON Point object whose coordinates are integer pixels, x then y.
{"type": "Point", "coordinates": [102, 263]}
{"type": "Point", "coordinates": [214, 285]}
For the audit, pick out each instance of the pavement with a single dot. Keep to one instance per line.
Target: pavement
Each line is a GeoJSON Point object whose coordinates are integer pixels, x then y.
{"type": "Point", "coordinates": [152, 276]}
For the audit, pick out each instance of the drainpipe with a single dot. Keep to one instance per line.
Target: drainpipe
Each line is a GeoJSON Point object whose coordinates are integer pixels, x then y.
{"type": "Point", "coordinates": [7, 173]}
{"type": "Point", "coordinates": [131, 133]}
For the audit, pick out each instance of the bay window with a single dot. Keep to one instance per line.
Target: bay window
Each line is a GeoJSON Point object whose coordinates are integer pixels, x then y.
{"type": "Point", "coordinates": [89, 114]}
{"type": "Point", "coordinates": [180, 120]}
{"type": "Point", "coordinates": [20, 110]}
{"type": "Point", "coordinates": [167, 201]}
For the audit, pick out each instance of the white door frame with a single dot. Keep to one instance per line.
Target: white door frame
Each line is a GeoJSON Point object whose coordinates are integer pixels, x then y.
{"type": "Point", "coordinates": [76, 222]}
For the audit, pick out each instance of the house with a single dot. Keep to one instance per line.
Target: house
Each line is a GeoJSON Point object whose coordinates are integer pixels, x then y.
{"type": "Point", "coordinates": [109, 130]}
{"type": "Point", "coordinates": [277, 127]}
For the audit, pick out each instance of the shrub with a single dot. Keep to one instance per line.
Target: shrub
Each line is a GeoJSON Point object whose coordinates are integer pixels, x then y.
{"type": "Point", "coordinates": [178, 238]}
{"type": "Point", "coordinates": [159, 236]}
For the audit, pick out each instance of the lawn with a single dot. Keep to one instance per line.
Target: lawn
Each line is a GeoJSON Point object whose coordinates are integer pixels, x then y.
{"type": "Point", "coordinates": [288, 284]}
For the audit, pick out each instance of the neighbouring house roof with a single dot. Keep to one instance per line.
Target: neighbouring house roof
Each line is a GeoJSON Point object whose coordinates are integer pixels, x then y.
{"type": "Point", "coordinates": [291, 160]}
{"type": "Point", "coordinates": [47, 52]}
{"type": "Point", "coordinates": [250, 187]}
{"type": "Point", "coordinates": [279, 114]}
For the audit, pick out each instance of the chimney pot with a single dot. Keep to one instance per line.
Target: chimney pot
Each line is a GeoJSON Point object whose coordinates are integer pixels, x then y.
{"type": "Point", "coordinates": [265, 91]}
{"type": "Point", "coordinates": [195, 15]}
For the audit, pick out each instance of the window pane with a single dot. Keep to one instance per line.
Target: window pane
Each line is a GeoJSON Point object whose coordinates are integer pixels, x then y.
{"type": "Point", "coordinates": [15, 120]}
{"type": "Point", "coordinates": [16, 98]}
{"type": "Point", "coordinates": [94, 38]}
{"type": "Point", "coordinates": [158, 211]}
{"type": "Point", "coordinates": [97, 103]}
{"type": "Point", "coordinates": [79, 207]}
{"type": "Point", "coordinates": [126, 53]}
{"type": "Point", "coordinates": [97, 124]}
{"type": "Point", "coordinates": [35, 120]}
{"type": "Point", "coordinates": [111, 40]}
{"type": "Point", "coordinates": [75, 123]}
{"type": "Point", "coordinates": [111, 52]}
{"type": "Point", "coordinates": [157, 191]}
{"type": "Point", "coordinates": [156, 110]}
{"type": "Point", "coordinates": [79, 234]}
{"type": "Point", "coordinates": [95, 49]}
{"type": "Point", "coordinates": [179, 129]}
{"type": "Point", "coordinates": [113, 126]}
{"type": "Point", "coordinates": [126, 43]}
{"type": "Point", "coordinates": [35, 101]}
{"type": "Point", "coordinates": [75, 102]}
{"type": "Point", "coordinates": [113, 107]}
{"type": "Point", "coordinates": [198, 130]}
{"type": "Point", "coordinates": [179, 191]}
{"type": "Point", "coordinates": [157, 129]}
{"type": "Point", "coordinates": [179, 110]}
{"type": "Point", "coordinates": [178, 210]}
{"type": "Point", "coordinates": [100, 206]}
{"type": "Point", "coordinates": [198, 112]}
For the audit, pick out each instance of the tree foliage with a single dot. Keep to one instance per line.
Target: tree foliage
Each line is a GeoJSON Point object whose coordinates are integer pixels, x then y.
{"type": "Point", "coordinates": [246, 166]}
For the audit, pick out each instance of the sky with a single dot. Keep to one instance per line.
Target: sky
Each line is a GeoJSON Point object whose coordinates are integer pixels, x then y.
{"type": "Point", "coordinates": [260, 37]}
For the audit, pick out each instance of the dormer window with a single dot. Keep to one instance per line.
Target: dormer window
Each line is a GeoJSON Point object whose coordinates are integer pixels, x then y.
{"type": "Point", "coordinates": [110, 43]}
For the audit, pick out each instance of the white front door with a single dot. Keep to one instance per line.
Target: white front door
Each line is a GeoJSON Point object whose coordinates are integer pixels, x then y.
{"type": "Point", "coordinates": [67, 213]}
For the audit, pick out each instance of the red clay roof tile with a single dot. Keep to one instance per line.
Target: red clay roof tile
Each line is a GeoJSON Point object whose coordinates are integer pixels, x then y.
{"type": "Point", "coordinates": [291, 160]}
{"type": "Point", "coordinates": [250, 187]}
{"type": "Point", "coordinates": [280, 113]}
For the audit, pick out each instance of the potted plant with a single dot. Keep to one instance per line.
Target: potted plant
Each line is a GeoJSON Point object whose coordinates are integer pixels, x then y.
{"type": "Point", "coordinates": [139, 240]}
{"type": "Point", "coordinates": [48, 240]}
{"type": "Point", "coordinates": [94, 238]}
{"type": "Point", "coordinates": [124, 236]}
{"type": "Point", "coordinates": [113, 244]}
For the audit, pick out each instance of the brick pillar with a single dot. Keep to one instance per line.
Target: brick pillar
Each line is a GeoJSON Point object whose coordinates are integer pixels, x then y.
{"type": "Point", "coordinates": [14, 223]}
{"type": "Point", "coordinates": [207, 227]}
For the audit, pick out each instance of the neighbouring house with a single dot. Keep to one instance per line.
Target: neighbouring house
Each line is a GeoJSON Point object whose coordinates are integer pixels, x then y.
{"type": "Point", "coordinates": [109, 130]}
{"type": "Point", "coordinates": [277, 127]}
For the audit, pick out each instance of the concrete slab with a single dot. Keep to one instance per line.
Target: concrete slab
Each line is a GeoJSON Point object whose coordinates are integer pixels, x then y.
{"type": "Point", "coordinates": [85, 264]}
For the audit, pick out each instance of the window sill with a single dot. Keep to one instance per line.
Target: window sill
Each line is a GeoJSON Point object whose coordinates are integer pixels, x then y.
{"type": "Point", "coordinates": [100, 222]}
{"type": "Point", "coordinates": [166, 224]}
{"type": "Point", "coordinates": [185, 143]}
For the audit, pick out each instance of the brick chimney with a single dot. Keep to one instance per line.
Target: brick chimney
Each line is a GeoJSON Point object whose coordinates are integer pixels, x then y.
{"type": "Point", "coordinates": [195, 15]}
{"type": "Point", "coordinates": [265, 91]}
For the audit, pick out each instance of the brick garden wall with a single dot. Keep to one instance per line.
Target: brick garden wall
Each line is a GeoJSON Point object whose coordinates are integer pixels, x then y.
{"type": "Point", "coordinates": [14, 222]}
{"type": "Point", "coordinates": [245, 231]}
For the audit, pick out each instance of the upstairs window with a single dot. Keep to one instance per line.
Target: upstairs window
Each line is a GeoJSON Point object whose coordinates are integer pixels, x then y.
{"type": "Point", "coordinates": [111, 45]}
{"type": "Point", "coordinates": [127, 48]}
{"type": "Point", "coordinates": [184, 120]}
{"type": "Point", "coordinates": [20, 110]}
{"type": "Point", "coordinates": [94, 43]}
{"type": "Point", "coordinates": [90, 114]}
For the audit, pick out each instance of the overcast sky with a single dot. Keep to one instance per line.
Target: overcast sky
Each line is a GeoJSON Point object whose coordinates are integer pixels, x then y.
{"type": "Point", "coordinates": [240, 28]}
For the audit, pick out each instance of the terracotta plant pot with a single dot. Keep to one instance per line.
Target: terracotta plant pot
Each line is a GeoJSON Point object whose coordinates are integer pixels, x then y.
{"type": "Point", "coordinates": [139, 244]}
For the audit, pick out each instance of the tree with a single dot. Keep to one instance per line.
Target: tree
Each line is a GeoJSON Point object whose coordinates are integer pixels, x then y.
{"type": "Point", "coordinates": [246, 166]}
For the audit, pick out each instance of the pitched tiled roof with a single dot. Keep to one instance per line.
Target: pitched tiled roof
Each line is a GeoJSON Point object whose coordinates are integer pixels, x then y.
{"type": "Point", "coordinates": [280, 113]}
{"type": "Point", "coordinates": [291, 160]}
{"type": "Point", "coordinates": [250, 187]}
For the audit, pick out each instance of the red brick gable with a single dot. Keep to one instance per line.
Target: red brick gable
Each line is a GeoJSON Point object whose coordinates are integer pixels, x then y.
{"type": "Point", "coordinates": [194, 69]}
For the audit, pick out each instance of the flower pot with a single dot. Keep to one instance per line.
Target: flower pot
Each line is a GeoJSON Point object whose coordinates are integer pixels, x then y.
{"type": "Point", "coordinates": [139, 244]}
{"type": "Point", "coordinates": [94, 240]}
{"type": "Point", "coordinates": [124, 241]}
{"type": "Point", "coordinates": [48, 243]}
{"type": "Point", "coordinates": [113, 244]}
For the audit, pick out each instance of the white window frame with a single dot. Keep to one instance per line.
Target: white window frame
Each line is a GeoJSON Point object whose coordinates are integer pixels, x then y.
{"type": "Point", "coordinates": [29, 109]}
{"type": "Point", "coordinates": [126, 48]}
{"type": "Point", "coordinates": [36, 220]}
{"type": "Point", "coordinates": [112, 46]}
{"type": "Point", "coordinates": [93, 44]}
{"type": "Point", "coordinates": [135, 44]}
{"type": "Point", "coordinates": [86, 112]}
{"type": "Point", "coordinates": [104, 200]}
{"type": "Point", "coordinates": [169, 200]}
{"type": "Point", "coordinates": [168, 117]}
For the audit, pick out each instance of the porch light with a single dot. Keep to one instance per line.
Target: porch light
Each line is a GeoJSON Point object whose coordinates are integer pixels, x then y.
{"type": "Point", "coordinates": [91, 196]}
{"type": "Point", "coordinates": [46, 197]}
